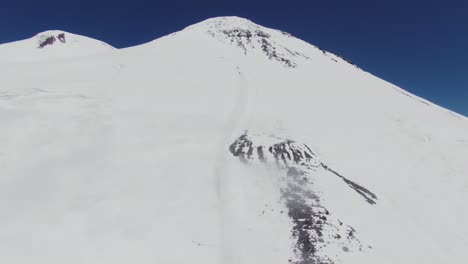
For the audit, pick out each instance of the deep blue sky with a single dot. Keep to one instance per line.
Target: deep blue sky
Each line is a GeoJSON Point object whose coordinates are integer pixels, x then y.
{"type": "Point", "coordinates": [421, 46]}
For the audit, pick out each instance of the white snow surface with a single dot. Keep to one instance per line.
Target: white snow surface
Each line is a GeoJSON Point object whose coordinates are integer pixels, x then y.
{"type": "Point", "coordinates": [122, 155]}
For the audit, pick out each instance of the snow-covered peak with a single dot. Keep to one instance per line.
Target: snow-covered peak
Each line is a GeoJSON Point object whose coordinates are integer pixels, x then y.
{"type": "Point", "coordinates": [226, 23]}
{"type": "Point", "coordinates": [52, 44]}
{"type": "Point", "coordinates": [254, 39]}
{"type": "Point", "coordinates": [232, 29]}
{"type": "Point", "coordinates": [63, 38]}
{"type": "Point", "coordinates": [249, 38]}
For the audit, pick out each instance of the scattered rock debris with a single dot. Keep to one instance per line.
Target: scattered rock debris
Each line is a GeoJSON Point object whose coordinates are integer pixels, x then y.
{"type": "Point", "coordinates": [314, 226]}
{"type": "Point", "coordinates": [245, 38]}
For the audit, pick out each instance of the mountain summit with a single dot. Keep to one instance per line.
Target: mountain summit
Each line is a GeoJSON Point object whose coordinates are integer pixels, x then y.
{"type": "Point", "coordinates": [252, 38]}
{"type": "Point", "coordinates": [225, 142]}
{"type": "Point", "coordinates": [51, 44]}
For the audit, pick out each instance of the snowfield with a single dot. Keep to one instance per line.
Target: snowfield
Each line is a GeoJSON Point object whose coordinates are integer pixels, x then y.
{"type": "Point", "coordinates": [223, 143]}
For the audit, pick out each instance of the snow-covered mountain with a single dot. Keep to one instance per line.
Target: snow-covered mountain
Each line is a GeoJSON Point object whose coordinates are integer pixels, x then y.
{"type": "Point", "coordinates": [52, 44]}
{"type": "Point", "coordinates": [226, 142]}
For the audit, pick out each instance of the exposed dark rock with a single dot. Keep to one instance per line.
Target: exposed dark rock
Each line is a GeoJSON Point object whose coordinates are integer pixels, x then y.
{"type": "Point", "coordinates": [261, 155]}
{"type": "Point", "coordinates": [286, 34]}
{"type": "Point", "coordinates": [47, 41]}
{"type": "Point", "coordinates": [261, 34]}
{"type": "Point", "coordinates": [270, 51]}
{"type": "Point", "coordinates": [368, 195]}
{"type": "Point", "coordinates": [244, 38]}
{"type": "Point", "coordinates": [314, 227]}
{"type": "Point", "coordinates": [348, 61]}
{"type": "Point", "coordinates": [242, 148]}
{"type": "Point", "coordinates": [61, 37]}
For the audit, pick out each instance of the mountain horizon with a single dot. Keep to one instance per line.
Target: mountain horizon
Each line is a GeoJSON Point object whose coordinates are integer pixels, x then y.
{"type": "Point", "coordinates": [233, 17]}
{"type": "Point", "coordinates": [56, 31]}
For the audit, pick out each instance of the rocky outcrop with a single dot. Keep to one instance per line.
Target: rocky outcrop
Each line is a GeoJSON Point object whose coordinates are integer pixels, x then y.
{"type": "Point", "coordinates": [315, 228]}
{"type": "Point", "coordinates": [46, 40]}
{"type": "Point", "coordinates": [61, 37]}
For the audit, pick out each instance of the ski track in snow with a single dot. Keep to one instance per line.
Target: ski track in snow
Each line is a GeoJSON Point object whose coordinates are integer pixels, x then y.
{"type": "Point", "coordinates": [234, 121]}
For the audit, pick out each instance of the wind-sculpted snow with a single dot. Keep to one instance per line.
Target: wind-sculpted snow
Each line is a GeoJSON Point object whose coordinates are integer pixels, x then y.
{"type": "Point", "coordinates": [315, 228]}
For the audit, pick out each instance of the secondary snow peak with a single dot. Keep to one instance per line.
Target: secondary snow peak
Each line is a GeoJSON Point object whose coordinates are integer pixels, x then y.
{"type": "Point", "coordinates": [51, 44]}
{"type": "Point", "coordinates": [51, 37]}
{"type": "Point", "coordinates": [60, 37]}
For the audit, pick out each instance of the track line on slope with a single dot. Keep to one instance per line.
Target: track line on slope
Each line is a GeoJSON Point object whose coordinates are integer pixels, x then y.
{"type": "Point", "coordinates": [244, 96]}
{"type": "Point", "coordinates": [236, 121]}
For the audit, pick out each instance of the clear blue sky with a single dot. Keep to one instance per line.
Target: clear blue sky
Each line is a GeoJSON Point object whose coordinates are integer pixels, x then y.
{"type": "Point", "coordinates": [421, 46]}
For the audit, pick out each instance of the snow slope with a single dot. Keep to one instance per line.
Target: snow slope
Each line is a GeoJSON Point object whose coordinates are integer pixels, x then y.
{"type": "Point", "coordinates": [226, 142]}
